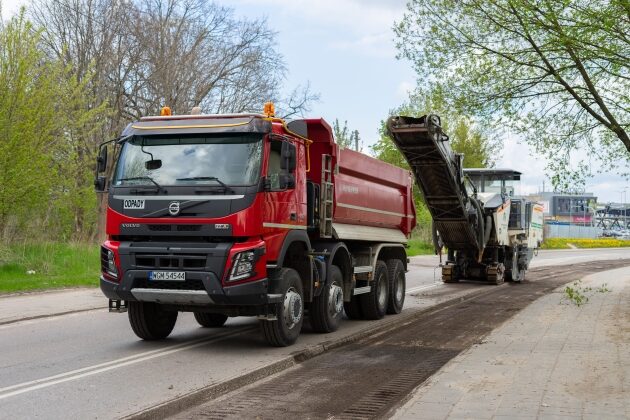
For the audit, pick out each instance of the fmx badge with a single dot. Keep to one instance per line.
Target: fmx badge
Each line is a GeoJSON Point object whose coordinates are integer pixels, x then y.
{"type": "Point", "coordinates": [133, 204]}
{"type": "Point", "coordinates": [173, 208]}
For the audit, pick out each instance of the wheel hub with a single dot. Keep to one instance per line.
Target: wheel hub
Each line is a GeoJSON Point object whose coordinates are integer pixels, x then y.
{"type": "Point", "coordinates": [292, 308]}
{"type": "Point", "coordinates": [335, 299]}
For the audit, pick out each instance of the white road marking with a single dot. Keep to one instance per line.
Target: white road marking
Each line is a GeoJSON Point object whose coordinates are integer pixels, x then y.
{"type": "Point", "coordinates": [72, 375]}
{"type": "Point", "coordinates": [419, 288]}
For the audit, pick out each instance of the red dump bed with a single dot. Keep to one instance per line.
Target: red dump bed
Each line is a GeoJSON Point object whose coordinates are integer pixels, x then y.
{"type": "Point", "coordinates": [368, 192]}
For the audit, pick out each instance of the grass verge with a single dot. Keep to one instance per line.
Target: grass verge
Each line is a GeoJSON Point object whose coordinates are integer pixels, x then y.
{"type": "Point", "coordinates": [565, 243]}
{"type": "Point", "coordinates": [55, 265]}
{"type": "Point", "coordinates": [419, 247]}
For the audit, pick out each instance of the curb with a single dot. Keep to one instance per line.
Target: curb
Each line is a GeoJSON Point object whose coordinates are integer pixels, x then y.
{"type": "Point", "coordinates": [29, 318]}
{"type": "Point", "coordinates": [46, 291]}
{"type": "Point", "coordinates": [178, 404]}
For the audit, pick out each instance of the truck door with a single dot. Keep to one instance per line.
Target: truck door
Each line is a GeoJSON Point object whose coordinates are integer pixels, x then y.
{"type": "Point", "coordinates": [281, 203]}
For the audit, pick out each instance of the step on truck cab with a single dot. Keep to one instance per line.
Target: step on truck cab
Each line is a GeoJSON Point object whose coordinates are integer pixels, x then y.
{"type": "Point", "coordinates": [249, 215]}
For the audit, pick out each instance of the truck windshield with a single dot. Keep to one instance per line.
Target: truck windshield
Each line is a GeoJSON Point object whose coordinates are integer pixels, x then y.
{"type": "Point", "coordinates": [233, 160]}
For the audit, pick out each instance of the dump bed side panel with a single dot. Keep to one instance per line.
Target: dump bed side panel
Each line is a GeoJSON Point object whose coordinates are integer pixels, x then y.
{"type": "Point", "coordinates": [369, 192]}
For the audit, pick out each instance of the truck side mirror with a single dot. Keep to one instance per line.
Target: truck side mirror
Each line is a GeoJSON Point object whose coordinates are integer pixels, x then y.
{"type": "Point", "coordinates": [287, 156]}
{"type": "Point", "coordinates": [101, 160]}
{"type": "Point", "coordinates": [287, 181]}
{"type": "Point", "coordinates": [99, 184]}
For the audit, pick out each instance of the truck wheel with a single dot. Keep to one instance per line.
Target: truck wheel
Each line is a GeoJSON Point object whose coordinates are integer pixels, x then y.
{"type": "Point", "coordinates": [209, 320]}
{"type": "Point", "coordinates": [285, 329]}
{"type": "Point", "coordinates": [397, 286]}
{"type": "Point", "coordinates": [149, 321]}
{"type": "Point", "coordinates": [374, 304]}
{"type": "Point", "coordinates": [326, 309]}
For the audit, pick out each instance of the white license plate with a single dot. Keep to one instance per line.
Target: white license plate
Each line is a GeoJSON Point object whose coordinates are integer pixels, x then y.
{"type": "Point", "coordinates": [133, 204]}
{"type": "Point", "coordinates": [167, 275]}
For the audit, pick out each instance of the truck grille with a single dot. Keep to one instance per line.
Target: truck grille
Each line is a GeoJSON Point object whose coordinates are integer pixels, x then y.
{"type": "Point", "coordinates": [170, 285]}
{"type": "Point", "coordinates": [169, 262]}
{"type": "Point", "coordinates": [174, 228]}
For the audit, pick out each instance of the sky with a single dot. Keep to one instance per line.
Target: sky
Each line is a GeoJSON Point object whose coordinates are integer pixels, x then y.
{"type": "Point", "coordinates": [345, 50]}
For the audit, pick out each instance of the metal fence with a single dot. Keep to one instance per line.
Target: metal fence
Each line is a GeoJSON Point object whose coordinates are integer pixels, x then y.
{"type": "Point", "coordinates": [572, 231]}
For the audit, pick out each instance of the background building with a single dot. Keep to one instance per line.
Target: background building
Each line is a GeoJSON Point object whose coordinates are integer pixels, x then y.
{"type": "Point", "coordinates": [569, 215]}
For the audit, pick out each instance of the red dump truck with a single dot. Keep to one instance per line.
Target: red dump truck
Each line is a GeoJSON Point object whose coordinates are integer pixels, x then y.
{"type": "Point", "coordinates": [248, 215]}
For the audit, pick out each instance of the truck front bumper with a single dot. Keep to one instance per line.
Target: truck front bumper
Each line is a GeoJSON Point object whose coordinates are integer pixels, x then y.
{"type": "Point", "coordinates": [212, 293]}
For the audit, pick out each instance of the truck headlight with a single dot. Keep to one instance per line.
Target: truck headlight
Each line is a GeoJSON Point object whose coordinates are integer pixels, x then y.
{"type": "Point", "coordinates": [108, 262]}
{"type": "Point", "coordinates": [243, 265]}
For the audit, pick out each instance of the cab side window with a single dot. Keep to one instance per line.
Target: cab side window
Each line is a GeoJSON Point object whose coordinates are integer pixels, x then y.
{"type": "Point", "coordinates": [273, 169]}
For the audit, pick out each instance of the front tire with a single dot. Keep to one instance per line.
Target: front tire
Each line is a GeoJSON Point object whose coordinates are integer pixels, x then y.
{"type": "Point", "coordinates": [327, 308]}
{"type": "Point", "coordinates": [397, 286]}
{"type": "Point", "coordinates": [149, 321]}
{"type": "Point", "coordinates": [374, 304]}
{"type": "Point", "coordinates": [209, 320]}
{"type": "Point", "coordinates": [285, 329]}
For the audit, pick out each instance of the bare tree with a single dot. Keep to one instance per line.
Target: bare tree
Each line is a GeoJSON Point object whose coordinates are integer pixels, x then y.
{"type": "Point", "coordinates": [139, 55]}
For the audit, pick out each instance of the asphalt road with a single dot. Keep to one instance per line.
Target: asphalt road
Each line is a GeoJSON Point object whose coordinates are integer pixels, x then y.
{"type": "Point", "coordinates": [91, 365]}
{"type": "Point", "coordinates": [366, 379]}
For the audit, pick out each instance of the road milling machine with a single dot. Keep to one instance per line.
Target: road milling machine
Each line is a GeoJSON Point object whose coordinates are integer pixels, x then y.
{"type": "Point", "coordinates": [490, 234]}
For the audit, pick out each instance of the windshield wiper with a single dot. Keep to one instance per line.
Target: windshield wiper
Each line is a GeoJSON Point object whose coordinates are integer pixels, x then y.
{"type": "Point", "coordinates": [206, 178]}
{"type": "Point", "coordinates": [142, 178]}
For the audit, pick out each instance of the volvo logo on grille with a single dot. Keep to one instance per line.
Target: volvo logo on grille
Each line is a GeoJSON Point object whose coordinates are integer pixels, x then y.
{"type": "Point", "coordinates": [173, 208]}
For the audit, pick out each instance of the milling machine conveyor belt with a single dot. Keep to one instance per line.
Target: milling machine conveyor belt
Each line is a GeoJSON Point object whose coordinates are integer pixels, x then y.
{"type": "Point", "coordinates": [438, 174]}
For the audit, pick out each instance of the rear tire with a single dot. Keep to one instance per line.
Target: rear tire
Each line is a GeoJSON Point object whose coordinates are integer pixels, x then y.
{"type": "Point", "coordinates": [327, 308]}
{"type": "Point", "coordinates": [374, 304]}
{"type": "Point", "coordinates": [285, 330]}
{"type": "Point", "coordinates": [149, 321]}
{"type": "Point", "coordinates": [397, 286]}
{"type": "Point", "coordinates": [209, 320]}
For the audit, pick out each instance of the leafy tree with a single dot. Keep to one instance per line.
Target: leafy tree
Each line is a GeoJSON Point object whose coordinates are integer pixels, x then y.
{"type": "Point", "coordinates": [43, 122]}
{"type": "Point", "coordinates": [28, 120]}
{"type": "Point", "coordinates": [479, 147]}
{"type": "Point", "coordinates": [346, 138]}
{"type": "Point", "coordinates": [555, 71]}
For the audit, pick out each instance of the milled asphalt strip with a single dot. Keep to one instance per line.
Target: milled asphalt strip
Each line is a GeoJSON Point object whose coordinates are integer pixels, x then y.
{"type": "Point", "coordinates": [29, 386]}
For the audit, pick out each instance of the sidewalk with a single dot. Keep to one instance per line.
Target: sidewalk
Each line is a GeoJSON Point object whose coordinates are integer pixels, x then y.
{"type": "Point", "coordinates": [551, 360]}
{"type": "Point", "coordinates": [15, 308]}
